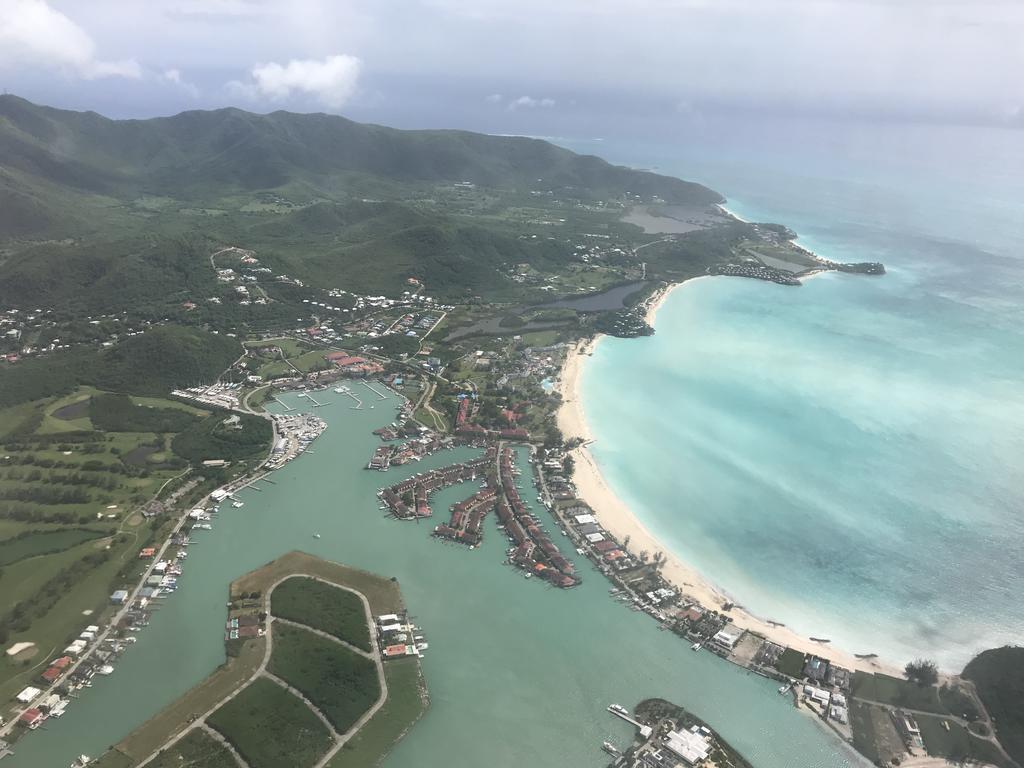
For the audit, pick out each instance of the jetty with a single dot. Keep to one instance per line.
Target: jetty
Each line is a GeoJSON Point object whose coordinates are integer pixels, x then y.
{"type": "Point", "coordinates": [377, 392]}
{"type": "Point", "coordinates": [283, 403]}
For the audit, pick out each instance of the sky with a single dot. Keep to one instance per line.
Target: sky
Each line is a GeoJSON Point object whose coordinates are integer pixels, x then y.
{"type": "Point", "coordinates": [530, 63]}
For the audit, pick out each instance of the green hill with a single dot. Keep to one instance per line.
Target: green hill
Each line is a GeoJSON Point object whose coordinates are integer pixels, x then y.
{"type": "Point", "coordinates": [998, 674]}
{"type": "Point", "coordinates": [230, 148]}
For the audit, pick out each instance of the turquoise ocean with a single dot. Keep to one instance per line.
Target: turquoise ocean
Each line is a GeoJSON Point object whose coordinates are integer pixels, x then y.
{"type": "Point", "coordinates": [846, 457]}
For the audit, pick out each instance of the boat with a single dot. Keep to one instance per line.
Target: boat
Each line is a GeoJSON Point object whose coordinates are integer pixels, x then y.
{"type": "Point", "coordinates": [106, 669]}
{"type": "Point", "coordinates": [81, 761]}
{"type": "Point", "coordinates": [610, 748]}
{"type": "Point", "coordinates": [237, 504]}
{"type": "Point", "coordinates": [784, 689]}
{"type": "Point", "coordinates": [618, 709]}
{"type": "Point", "coordinates": [316, 535]}
{"type": "Point", "coordinates": [695, 647]}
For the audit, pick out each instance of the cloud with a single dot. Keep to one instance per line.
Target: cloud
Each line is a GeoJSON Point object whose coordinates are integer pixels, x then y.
{"type": "Point", "coordinates": [332, 80]}
{"type": "Point", "coordinates": [31, 32]}
{"type": "Point", "coordinates": [528, 102]}
{"type": "Point", "coordinates": [174, 77]}
{"type": "Point", "coordinates": [494, 98]}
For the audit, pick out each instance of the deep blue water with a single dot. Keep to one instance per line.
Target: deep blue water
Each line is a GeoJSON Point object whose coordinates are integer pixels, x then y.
{"type": "Point", "coordinates": [845, 457]}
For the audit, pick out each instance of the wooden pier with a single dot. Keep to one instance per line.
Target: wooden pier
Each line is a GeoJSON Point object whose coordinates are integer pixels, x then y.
{"type": "Point", "coordinates": [282, 402]}
{"type": "Point", "coordinates": [377, 392]}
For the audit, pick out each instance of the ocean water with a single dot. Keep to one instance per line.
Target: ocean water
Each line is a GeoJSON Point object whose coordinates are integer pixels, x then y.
{"type": "Point", "coordinates": [846, 457]}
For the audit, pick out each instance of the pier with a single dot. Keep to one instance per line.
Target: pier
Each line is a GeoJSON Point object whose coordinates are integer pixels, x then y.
{"type": "Point", "coordinates": [621, 712]}
{"type": "Point", "coordinates": [313, 400]}
{"type": "Point", "coordinates": [377, 392]}
{"type": "Point", "coordinates": [282, 403]}
{"type": "Point", "coordinates": [350, 393]}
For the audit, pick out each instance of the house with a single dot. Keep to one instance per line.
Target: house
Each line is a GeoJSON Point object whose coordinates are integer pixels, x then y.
{"type": "Point", "coordinates": [32, 718]}
{"type": "Point", "coordinates": [119, 597]}
{"type": "Point", "coordinates": [816, 669]}
{"type": "Point", "coordinates": [728, 637]}
{"type": "Point", "coordinates": [28, 694]}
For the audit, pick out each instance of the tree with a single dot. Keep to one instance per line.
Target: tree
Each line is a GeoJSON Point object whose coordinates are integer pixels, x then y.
{"type": "Point", "coordinates": [922, 671]}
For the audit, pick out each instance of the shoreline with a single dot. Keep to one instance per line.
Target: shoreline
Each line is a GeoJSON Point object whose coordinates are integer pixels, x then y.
{"type": "Point", "coordinates": [616, 516]}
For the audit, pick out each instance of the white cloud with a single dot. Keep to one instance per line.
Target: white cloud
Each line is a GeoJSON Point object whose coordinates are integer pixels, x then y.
{"type": "Point", "coordinates": [174, 77]}
{"type": "Point", "coordinates": [494, 98]}
{"type": "Point", "coordinates": [331, 80]}
{"type": "Point", "coordinates": [528, 102]}
{"type": "Point", "coordinates": [33, 33]}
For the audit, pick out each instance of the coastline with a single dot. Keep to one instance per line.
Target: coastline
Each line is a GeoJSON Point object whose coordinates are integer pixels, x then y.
{"type": "Point", "coordinates": [620, 520]}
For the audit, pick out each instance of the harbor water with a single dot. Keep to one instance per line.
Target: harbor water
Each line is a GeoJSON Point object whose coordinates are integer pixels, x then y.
{"type": "Point", "coordinates": [519, 673]}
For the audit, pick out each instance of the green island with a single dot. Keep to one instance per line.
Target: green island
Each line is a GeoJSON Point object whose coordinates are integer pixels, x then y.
{"type": "Point", "coordinates": [290, 694]}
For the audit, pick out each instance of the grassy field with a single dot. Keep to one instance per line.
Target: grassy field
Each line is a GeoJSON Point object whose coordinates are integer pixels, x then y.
{"type": "Point", "coordinates": [37, 543]}
{"type": "Point", "coordinates": [897, 693]}
{"type": "Point", "coordinates": [271, 728]}
{"type": "Point", "coordinates": [321, 606]}
{"type": "Point", "coordinates": [404, 706]}
{"type": "Point", "coordinates": [874, 734]}
{"type": "Point", "coordinates": [196, 750]}
{"type": "Point", "coordinates": [342, 684]}
{"type": "Point", "coordinates": [957, 743]}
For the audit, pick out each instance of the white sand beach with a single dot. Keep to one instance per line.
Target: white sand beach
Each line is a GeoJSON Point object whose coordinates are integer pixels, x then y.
{"type": "Point", "coordinates": [620, 520]}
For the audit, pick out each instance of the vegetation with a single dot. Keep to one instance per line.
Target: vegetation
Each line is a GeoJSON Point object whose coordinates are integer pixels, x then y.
{"type": "Point", "coordinates": [947, 738]}
{"type": "Point", "coordinates": [119, 413]}
{"type": "Point", "coordinates": [341, 683]}
{"type": "Point", "coordinates": [271, 728]}
{"type": "Point", "coordinates": [921, 671]}
{"type": "Point", "coordinates": [197, 749]}
{"type": "Point", "coordinates": [897, 693]}
{"type": "Point", "coordinates": [152, 363]}
{"type": "Point", "coordinates": [405, 703]}
{"type": "Point", "coordinates": [998, 676]}
{"type": "Point", "coordinates": [335, 611]}
{"type": "Point", "coordinates": [233, 437]}
{"type": "Point", "coordinates": [791, 663]}
{"type": "Point", "coordinates": [35, 543]}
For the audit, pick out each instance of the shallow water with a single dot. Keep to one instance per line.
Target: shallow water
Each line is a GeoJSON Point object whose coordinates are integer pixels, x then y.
{"type": "Point", "coordinates": [843, 457]}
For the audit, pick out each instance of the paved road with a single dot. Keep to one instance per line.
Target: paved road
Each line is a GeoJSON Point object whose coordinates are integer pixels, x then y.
{"type": "Point", "coordinates": [215, 735]}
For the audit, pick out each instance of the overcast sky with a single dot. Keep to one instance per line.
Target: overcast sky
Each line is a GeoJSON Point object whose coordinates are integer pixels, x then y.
{"type": "Point", "coordinates": [416, 61]}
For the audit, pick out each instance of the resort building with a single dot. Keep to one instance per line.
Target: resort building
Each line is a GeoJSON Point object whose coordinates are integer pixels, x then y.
{"type": "Point", "coordinates": [692, 746]}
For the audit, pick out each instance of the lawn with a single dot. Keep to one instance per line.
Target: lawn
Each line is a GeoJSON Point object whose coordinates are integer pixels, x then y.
{"type": "Point", "coordinates": [335, 611]}
{"type": "Point", "coordinates": [874, 734]}
{"type": "Point", "coordinates": [896, 692]}
{"type": "Point", "coordinates": [341, 683]}
{"type": "Point", "coordinates": [38, 543]}
{"type": "Point", "coordinates": [404, 706]}
{"type": "Point", "coordinates": [791, 663]}
{"type": "Point", "coordinates": [957, 743]}
{"type": "Point", "coordinates": [271, 728]}
{"type": "Point", "coordinates": [197, 749]}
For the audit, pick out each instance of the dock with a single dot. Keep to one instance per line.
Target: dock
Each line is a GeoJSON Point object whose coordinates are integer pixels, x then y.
{"type": "Point", "coordinates": [622, 713]}
{"type": "Point", "coordinates": [282, 402]}
{"type": "Point", "coordinates": [377, 392]}
{"type": "Point", "coordinates": [359, 403]}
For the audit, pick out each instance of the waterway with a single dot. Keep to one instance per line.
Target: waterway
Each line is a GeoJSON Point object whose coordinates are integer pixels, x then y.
{"type": "Point", "coordinates": [519, 673]}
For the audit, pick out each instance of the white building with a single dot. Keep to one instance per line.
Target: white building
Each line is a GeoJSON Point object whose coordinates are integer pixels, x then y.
{"type": "Point", "coordinates": [692, 746]}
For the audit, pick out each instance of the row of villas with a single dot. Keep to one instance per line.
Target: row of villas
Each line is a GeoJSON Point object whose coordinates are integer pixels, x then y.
{"type": "Point", "coordinates": [533, 550]}
{"type": "Point", "coordinates": [418, 488]}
